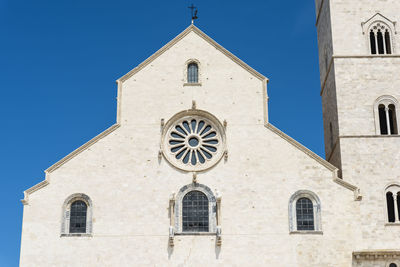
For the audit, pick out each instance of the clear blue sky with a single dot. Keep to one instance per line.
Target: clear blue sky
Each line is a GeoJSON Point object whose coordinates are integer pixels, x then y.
{"type": "Point", "coordinates": [59, 61]}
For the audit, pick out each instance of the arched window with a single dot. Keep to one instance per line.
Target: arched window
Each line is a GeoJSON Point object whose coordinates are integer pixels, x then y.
{"type": "Point", "coordinates": [385, 116]}
{"type": "Point", "coordinates": [390, 206]}
{"type": "Point", "coordinates": [77, 215]}
{"type": "Point", "coordinates": [304, 212]}
{"type": "Point", "coordinates": [77, 220]}
{"type": "Point", "coordinates": [380, 39]}
{"type": "Point", "coordinates": [195, 212]}
{"type": "Point", "coordinates": [392, 196]}
{"type": "Point", "coordinates": [393, 265]}
{"type": "Point", "coordinates": [193, 73]}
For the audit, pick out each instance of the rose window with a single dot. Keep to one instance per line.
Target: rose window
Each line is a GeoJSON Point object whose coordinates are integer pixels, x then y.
{"type": "Point", "coordinates": [193, 142]}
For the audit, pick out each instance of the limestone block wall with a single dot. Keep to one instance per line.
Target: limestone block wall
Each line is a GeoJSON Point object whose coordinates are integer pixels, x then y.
{"type": "Point", "coordinates": [380, 155]}
{"type": "Point", "coordinates": [130, 190]}
{"type": "Point", "coordinates": [330, 119]}
{"type": "Point", "coordinates": [359, 82]}
{"type": "Point", "coordinates": [347, 16]}
{"type": "Point", "coordinates": [324, 30]}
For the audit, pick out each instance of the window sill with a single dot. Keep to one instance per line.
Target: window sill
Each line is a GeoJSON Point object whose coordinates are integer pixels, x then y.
{"type": "Point", "coordinates": [196, 233]}
{"type": "Point", "coordinates": [76, 235]}
{"type": "Point", "coordinates": [393, 224]}
{"type": "Point", "coordinates": [306, 233]}
{"type": "Point", "coordinates": [192, 84]}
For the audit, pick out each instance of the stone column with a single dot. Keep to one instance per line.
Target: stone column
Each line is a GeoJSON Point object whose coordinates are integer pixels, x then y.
{"type": "Point", "coordinates": [219, 229]}
{"type": "Point", "coordinates": [387, 120]}
{"type": "Point", "coordinates": [396, 211]}
{"type": "Point", "coordinates": [171, 219]}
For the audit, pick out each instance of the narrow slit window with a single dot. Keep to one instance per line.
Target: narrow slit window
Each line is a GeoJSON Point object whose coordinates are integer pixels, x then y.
{"type": "Point", "coordinates": [390, 206]}
{"type": "Point", "coordinates": [372, 42]}
{"type": "Point", "coordinates": [382, 120]}
{"type": "Point", "coordinates": [331, 134]}
{"type": "Point", "coordinates": [388, 43]}
{"type": "Point", "coordinates": [381, 49]}
{"type": "Point", "coordinates": [193, 73]}
{"type": "Point", "coordinates": [392, 119]}
{"type": "Point", "coordinates": [195, 212]}
{"type": "Point", "coordinates": [304, 214]}
{"type": "Point", "coordinates": [78, 217]}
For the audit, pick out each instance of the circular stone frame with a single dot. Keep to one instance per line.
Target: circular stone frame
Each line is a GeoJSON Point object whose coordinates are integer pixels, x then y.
{"type": "Point", "coordinates": [206, 147]}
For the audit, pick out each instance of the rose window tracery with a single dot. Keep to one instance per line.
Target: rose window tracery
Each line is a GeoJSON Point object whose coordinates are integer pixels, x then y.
{"type": "Point", "coordinates": [194, 141]}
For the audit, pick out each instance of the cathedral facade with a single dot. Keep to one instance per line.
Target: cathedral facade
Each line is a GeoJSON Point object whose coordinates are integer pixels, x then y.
{"type": "Point", "coordinates": [193, 173]}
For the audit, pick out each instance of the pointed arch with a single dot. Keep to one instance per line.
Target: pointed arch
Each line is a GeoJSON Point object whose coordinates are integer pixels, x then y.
{"type": "Point", "coordinates": [380, 32]}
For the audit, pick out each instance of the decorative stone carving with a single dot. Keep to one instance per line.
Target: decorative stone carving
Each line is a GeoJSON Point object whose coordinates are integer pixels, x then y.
{"type": "Point", "coordinates": [193, 140]}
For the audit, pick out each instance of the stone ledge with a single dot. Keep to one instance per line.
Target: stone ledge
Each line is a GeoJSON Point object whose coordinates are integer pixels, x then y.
{"type": "Point", "coordinates": [76, 235]}
{"type": "Point", "coordinates": [192, 84]}
{"type": "Point", "coordinates": [197, 233]}
{"type": "Point", "coordinates": [306, 233]}
{"type": "Point", "coordinates": [392, 224]}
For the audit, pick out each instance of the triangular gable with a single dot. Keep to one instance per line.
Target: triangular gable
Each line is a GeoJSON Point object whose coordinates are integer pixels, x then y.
{"type": "Point", "coordinates": [378, 17]}
{"type": "Point", "coordinates": [205, 37]}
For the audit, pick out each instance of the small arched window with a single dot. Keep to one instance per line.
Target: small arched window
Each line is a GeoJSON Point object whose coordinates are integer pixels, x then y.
{"type": "Point", "coordinates": [392, 197]}
{"type": "Point", "coordinates": [380, 39]}
{"type": "Point", "coordinates": [393, 265]}
{"type": "Point", "coordinates": [193, 73]}
{"type": "Point", "coordinates": [77, 220]}
{"type": "Point", "coordinates": [77, 215]}
{"type": "Point", "coordinates": [385, 116]}
{"type": "Point", "coordinates": [304, 212]}
{"type": "Point", "coordinates": [195, 212]}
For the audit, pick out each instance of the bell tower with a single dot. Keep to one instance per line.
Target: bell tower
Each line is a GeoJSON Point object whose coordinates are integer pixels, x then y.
{"type": "Point", "coordinates": [359, 59]}
{"type": "Point", "coordinates": [360, 84]}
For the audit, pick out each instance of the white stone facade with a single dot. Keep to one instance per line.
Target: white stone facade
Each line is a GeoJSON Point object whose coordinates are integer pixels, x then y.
{"type": "Point", "coordinates": [134, 188]}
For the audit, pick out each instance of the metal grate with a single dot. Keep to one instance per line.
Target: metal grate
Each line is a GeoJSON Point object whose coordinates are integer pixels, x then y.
{"type": "Point", "coordinates": [77, 223]}
{"type": "Point", "coordinates": [304, 214]}
{"type": "Point", "coordinates": [195, 212]}
{"type": "Point", "coordinates": [193, 73]}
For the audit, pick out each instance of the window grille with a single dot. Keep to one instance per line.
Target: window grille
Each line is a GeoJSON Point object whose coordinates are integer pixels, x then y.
{"type": "Point", "coordinates": [78, 217]}
{"type": "Point", "coordinates": [193, 73]}
{"type": "Point", "coordinates": [304, 214]}
{"type": "Point", "coordinates": [195, 212]}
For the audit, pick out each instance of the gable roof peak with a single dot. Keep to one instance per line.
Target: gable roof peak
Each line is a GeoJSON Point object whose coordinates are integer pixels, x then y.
{"type": "Point", "coordinates": [189, 29]}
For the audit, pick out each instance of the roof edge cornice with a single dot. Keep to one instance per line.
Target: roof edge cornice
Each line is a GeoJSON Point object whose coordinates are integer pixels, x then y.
{"type": "Point", "coordinates": [64, 160]}
{"type": "Point", "coordinates": [208, 39]}
{"type": "Point", "coordinates": [81, 148]}
{"type": "Point", "coordinates": [326, 164]}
